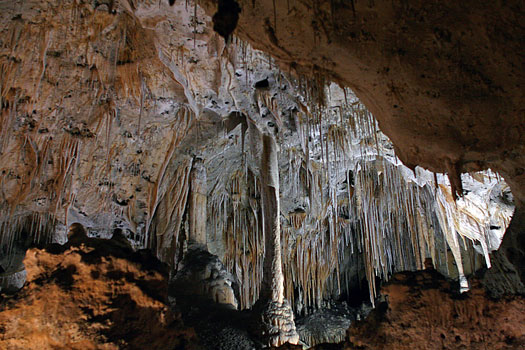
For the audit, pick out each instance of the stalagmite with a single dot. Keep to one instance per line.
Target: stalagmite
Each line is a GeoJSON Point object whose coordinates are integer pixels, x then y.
{"type": "Point", "coordinates": [100, 125]}
{"type": "Point", "coordinates": [277, 318]}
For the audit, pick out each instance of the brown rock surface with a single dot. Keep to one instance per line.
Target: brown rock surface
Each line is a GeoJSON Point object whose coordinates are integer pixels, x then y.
{"type": "Point", "coordinates": [90, 296]}
{"type": "Point", "coordinates": [100, 102]}
{"type": "Point", "coordinates": [443, 78]}
{"type": "Point", "coordinates": [423, 312]}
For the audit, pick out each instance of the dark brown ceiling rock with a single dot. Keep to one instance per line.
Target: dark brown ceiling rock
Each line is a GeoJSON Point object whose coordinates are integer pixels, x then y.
{"type": "Point", "coordinates": [445, 79]}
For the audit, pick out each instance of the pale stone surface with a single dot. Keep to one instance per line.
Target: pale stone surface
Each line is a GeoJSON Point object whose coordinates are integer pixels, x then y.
{"type": "Point", "coordinates": [198, 203]}
{"type": "Point", "coordinates": [278, 326]}
{"type": "Point", "coordinates": [105, 107]}
{"type": "Point", "coordinates": [12, 281]}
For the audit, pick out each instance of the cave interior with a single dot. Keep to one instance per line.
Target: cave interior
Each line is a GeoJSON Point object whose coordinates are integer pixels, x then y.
{"type": "Point", "coordinates": [246, 174]}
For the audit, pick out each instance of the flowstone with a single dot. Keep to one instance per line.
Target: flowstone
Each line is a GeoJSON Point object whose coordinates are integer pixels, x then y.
{"type": "Point", "coordinates": [14, 281]}
{"type": "Point", "coordinates": [277, 323]}
{"type": "Point", "coordinates": [203, 274]}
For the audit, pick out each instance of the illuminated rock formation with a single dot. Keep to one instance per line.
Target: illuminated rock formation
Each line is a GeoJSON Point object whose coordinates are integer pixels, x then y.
{"type": "Point", "coordinates": [393, 133]}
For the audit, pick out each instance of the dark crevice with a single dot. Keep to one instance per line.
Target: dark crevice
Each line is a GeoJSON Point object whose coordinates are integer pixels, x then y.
{"type": "Point", "coordinates": [226, 18]}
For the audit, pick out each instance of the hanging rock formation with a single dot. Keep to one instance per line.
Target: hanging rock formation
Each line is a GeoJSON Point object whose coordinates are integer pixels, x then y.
{"type": "Point", "coordinates": [136, 120]}
{"type": "Point", "coordinates": [440, 77]}
{"type": "Point", "coordinates": [277, 315]}
{"type": "Point", "coordinates": [444, 79]}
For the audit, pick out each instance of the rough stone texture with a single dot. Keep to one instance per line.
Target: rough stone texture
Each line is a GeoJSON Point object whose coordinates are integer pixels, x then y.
{"type": "Point", "coordinates": [328, 325]}
{"type": "Point", "coordinates": [277, 324]}
{"type": "Point", "coordinates": [513, 244]}
{"type": "Point", "coordinates": [273, 280]}
{"type": "Point", "coordinates": [93, 112]}
{"type": "Point", "coordinates": [508, 273]}
{"type": "Point", "coordinates": [13, 275]}
{"type": "Point", "coordinates": [104, 106]}
{"type": "Point", "coordinates": [12, 269]}
{"type": "Point", "coordinates": [13, 281]}
{"type": "Point", "coordinates": [421, 311]}
{"type": "Point", "coordinates": [93, 294]}
{"type": "Point", "coordinates": [443, 78]}
{"type": "Point", "coordinates": [202, 274]}
{"type": "Point", "coordinates": [197, 206]}
{"type": "Point", "coordinates": [97, 294]}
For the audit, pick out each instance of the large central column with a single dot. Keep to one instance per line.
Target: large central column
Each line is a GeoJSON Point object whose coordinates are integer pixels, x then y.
{"type": "Point", "coordinates": [197, 204]}
{"type": "Point", "coordinates": [272, 283]}
{"type": "Point", "coordinates": [277, 316]}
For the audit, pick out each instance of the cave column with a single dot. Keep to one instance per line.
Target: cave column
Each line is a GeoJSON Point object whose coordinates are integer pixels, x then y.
{"type": "Point", "coordinates": [197, 205]}
{"type": "Point", "coordinates": [277, 316]}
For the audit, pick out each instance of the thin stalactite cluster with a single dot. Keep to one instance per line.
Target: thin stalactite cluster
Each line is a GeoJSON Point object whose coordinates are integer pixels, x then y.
{"type": "Point", "coordinates": [102, 114]}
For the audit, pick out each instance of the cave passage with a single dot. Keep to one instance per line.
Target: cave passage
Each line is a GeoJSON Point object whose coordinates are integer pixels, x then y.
{"type": "Point", "coordinates": [261, 174]}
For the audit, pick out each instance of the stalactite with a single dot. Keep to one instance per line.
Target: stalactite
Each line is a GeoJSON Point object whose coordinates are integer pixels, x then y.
{"type": "Point", "coordinates": [23, 231]}
{"type": "Point", "coordinates": [236, 214]}
{"type": "Point", "coordinates": [178, 184]}
{"type": "Point", "coordinates": [168, 216]}
{"type": "Point", "coordinates": [66, 165]}
{"type": "Point", "coordinates": [197, 204]}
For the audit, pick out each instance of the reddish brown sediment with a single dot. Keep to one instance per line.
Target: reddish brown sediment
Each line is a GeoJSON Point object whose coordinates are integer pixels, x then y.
{"type": "Point", "coordinates": [424, 311]}
{"type": "Point", "coordinates": [88, 297]}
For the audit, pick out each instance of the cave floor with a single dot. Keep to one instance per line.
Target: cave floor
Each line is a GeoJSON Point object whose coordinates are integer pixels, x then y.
{"type": "Point", "coordinates": [99, 295]}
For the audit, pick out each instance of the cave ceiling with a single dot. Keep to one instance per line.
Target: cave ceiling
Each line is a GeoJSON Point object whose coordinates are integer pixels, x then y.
{"type": "Point", "coordinates": [107, 105]}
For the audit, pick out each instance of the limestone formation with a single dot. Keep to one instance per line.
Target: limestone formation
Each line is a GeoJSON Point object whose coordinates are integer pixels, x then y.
{"type": "Point", "coordinates": [300, 153]}
{"type": "Point", "coordinates": [202, 274]}
{"type": "Point", "coordinates": [198, 204]}
{"type": "Point", "coordinates": [438, 88]}
{"type": "Point", "coordinates": [277, 316]}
